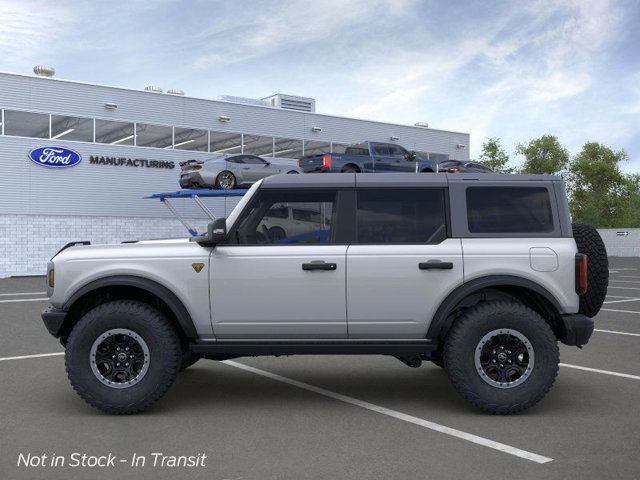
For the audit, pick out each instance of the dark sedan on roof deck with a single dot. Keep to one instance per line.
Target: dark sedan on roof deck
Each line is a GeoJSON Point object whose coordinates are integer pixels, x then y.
{"type": "Point", "coordinates": [460, 166]}
{"type": "Point", "coordinates": [231, 171]}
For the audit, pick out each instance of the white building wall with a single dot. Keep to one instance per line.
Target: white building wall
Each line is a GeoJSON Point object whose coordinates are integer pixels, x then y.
{"type": "Point", "coordinates": [620, 245]}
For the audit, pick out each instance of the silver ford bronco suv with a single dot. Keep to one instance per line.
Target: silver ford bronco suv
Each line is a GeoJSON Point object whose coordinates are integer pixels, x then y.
{"type": "Point", "coordinates": [480, 274]}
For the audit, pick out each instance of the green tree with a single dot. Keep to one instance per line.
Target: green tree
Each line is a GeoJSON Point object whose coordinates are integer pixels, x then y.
{"type": "Point", "coordinates": [494, 156]}
{"type": "Point", "coordinates": [600, 193]}
{"type": "Point", "coordinates": [543, 155]}
{"type": "Point", "coordinates": [631, 216]}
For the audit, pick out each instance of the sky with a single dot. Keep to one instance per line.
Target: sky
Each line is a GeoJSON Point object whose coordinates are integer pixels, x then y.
{"type": "Point", "coordinates": [513, 70]}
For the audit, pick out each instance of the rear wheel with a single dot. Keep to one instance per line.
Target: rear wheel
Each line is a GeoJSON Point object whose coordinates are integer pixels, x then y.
{"type": "Point", "coordinates": [590, 243]}
{"type": "Point", "coordinates": [122, 356]}
{"type": "Point", "coordinates": [277, 233]}
{"type": "Point", "coordinates": [350, 169]}
{"type": "Point", "coordinates": [292, 172]}
{"type": "Point", "coordinates": [502, 357]}
{"type": "Point", "coordinates": [225, 180]}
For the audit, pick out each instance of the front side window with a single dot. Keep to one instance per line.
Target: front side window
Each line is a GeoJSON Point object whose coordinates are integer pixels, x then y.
{"type": "Point", "coordinates": [252, 160]}
{"type": "Point", "coordinates": [401, 216]}
{"type": "Point", "coordinates": [382, 150]}
{"type": "Point", "coordinates": [509, 210]}
{"type": "Point", "coordinates": [267, 221]}
{"type": "Point", "coordinates": [397, 151]}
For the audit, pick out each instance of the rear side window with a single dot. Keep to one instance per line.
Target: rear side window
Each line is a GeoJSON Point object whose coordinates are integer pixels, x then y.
{"type": "Point", "coordinates": [509, 210]}
{"type": "Point", "coordinates": [401, 216]}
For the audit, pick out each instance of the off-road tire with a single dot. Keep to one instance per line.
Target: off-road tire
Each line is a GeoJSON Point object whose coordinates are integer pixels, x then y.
{"type": "Point", "coordinates": [164, 356]}
{"type": "Point", "coordinates": [464, 337]}
{"type": "Point", "coordinates": [590, 243]}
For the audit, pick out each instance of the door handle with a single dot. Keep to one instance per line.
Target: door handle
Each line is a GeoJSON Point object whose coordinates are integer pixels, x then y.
{"type": "Point", "coordinates": [435, 265]}
{"type": "Point", "coordinates": [319, 266]}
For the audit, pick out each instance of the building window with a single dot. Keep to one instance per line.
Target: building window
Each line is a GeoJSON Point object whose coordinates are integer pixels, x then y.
{"type": "Point", "coordinates": [316, 148]}
{"type": "Point", "coordinates": [72, 128]}
{"type": "Point", "coordinates": [227, 143]}
{"type": "Point", "coordinates": [258, 145]}
{"type": "Point", "coordinates": [287, 148]}
{"type": "Point", "coordinates": [114, 133]}
{"type": "Point", "coordinates": [338, 147]}
{"type": "Point", "coordinates": [191, 139]}
{"type": "Point", "coordinates": [509, 210]}
{"type": "Point", "coordinates": [26, 124]}
{"type": "Point", "coordinates": [157, 136]}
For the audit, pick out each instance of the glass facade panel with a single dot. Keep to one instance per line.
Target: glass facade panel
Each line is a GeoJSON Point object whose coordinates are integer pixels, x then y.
{"type": "Point", "coordinates": [26, 124]}
{"type": "Point", "coordinates": [257, 145]}
{"type": "Point", "coordinates": [316, 148]}
{"type": "Point", "coordinates": [72, 128]}
{"type": "Point", "coordinates": [228, 143]}
{"type": "Point", "coordinates": [157, 136]}
{"type": "Point", "coordinates": [338, 147]}
{"type": "Point", "coordinates": [115, 133]}
{"type": "Point", "coordinates": [191, 139]}
{"type": "Point", "coordinates": [287, 148]}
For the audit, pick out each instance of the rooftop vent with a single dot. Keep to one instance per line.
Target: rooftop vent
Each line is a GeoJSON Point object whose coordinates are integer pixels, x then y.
{"type": "Point", "coordinates": [291, 102]}
{"type": "Point", "coordinates": [44, 71]}
{"type": "Point", "coordinates": [243, 100]}
{"type": "Point", "coordinates": [153, 88]}
{"type": "Point", "coordinates": [422, 124]}
{"type": "Point", "coordinates": [175, 91]}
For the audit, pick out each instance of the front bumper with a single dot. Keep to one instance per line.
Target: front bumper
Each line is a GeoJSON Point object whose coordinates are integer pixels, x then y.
{"type": "Point", "coordinates": [53, 319]}
{"type": "Point", "coordinates": [575, 329]}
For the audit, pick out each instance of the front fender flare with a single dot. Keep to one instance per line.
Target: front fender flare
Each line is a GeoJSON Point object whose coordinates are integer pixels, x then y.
{"type": "Point", "coordinates": [167, 296]}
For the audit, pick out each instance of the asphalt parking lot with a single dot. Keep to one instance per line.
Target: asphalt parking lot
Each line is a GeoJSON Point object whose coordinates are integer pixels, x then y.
{"type": "Point", "coordinates": [360, 417]}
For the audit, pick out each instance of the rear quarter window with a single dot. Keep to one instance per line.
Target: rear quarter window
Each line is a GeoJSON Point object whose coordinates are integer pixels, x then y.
{"type": "Point", "coordinates": [509, 210]}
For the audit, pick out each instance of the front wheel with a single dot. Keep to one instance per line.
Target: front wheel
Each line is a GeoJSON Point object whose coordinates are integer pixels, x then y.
{"type": "Point", "coordinates": [122, 356]}
{"type": "Point", "coordinates": [502, 357]}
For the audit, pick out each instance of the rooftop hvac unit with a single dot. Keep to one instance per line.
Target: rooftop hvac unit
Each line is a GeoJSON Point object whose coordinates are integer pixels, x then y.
{"type": "Point", "coordinates": [291, 102]}
{"type": "Point", "coordinates": [153, 88]}
{"type": "Point", "coordinates": [175, 91]}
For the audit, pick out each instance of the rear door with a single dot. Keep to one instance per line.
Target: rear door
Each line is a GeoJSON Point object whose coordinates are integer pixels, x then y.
{"type": "Point", "coordinates": [403, 262]}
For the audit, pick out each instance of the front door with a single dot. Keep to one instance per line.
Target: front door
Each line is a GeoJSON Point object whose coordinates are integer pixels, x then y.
{"type": "Point", "coordinates": [402, 263]}
{"type": "Point", "coordinates": [279, 277]}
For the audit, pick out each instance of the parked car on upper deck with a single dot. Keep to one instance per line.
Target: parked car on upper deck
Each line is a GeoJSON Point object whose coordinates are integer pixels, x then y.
{"type": "Point", "coordinates": [231, 171]}
{"type": "Point", "coordinates": [461, 166]}
{"type": "Point", "coordinates": [368, 157]}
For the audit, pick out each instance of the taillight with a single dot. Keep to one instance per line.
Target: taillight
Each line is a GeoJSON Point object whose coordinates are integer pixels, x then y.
{"type": "Point", "coordinates": [326, 161]}
{"type": "Point", "coordinates": [581, 273]}
{"type": "Point", "coordinates": [298, 162]}
{"type": "Point", "coordinates": [197, 167]}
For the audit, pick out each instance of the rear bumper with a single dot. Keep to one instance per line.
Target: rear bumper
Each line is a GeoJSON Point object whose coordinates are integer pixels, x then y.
{"type": "Point", "coordinates": [575, 329]}
{"type": "Point", "coordinates": [53, 319]}
{"type": "Point", "coordinates": [190, 180]}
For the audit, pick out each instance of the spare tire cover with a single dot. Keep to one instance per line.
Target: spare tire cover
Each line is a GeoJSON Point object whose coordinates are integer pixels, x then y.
{"type": "Point", "coordinates": [590, 243]}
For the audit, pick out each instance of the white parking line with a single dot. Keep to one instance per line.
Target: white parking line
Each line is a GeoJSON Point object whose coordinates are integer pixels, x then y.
{"type": "Point", "coordinates": [21, 293]}
{"type": "Point", "coordinates": [597, 370]}
{"type": "Point", "coordinates": [617, 332]}
{"type": "Point", "coordinates": [628, 276]}
{"type": "Point", "coordinates": [15, 300]}
{"type": "Point", "coordinates": [623, 301]}
{"type": "Point", "coordinates": [398, 415]}
{"type": "Point", "coordinates": [619, 311]}
{"type": "Point", "coordinates": [39, 355]}
{"type": "Point", "coordinates": [623, 288]}
{"type": "Point", "coordinates": [625, 281]}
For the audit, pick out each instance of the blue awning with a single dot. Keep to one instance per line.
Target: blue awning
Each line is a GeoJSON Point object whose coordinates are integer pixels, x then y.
{"type": "Point", "coordinates": [199, 192]}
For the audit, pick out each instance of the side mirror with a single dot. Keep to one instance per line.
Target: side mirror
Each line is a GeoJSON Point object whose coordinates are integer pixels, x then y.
{"type": "Point", "coordinates": [216, 233]}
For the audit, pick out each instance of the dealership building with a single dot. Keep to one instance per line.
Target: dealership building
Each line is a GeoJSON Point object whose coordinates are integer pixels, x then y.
{"type": "Point", "coordinates": [127, 144]}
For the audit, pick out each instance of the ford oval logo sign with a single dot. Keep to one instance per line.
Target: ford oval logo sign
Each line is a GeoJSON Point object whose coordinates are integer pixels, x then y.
{"type": "Point", "coordinates": [55, 157]}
